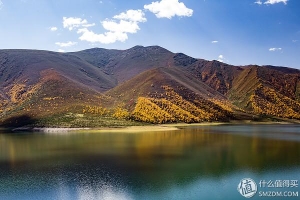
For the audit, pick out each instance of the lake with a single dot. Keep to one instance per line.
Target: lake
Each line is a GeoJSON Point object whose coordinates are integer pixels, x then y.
{"type": "Point", "coordinates": [195, 162]}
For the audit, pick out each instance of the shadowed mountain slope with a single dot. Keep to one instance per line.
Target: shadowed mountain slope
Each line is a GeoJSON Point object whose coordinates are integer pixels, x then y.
{"type": "Point", "coordinates": [149, 83]}
{"type": "Point", "coordinates": [125, 64]}
{"type": "Point", "coordinates": [25, 66]}
{"type": "Point", "coordinates": [217, 75]}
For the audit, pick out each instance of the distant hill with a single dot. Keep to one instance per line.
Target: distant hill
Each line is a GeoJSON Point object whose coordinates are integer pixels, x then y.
{"type": "Point", "coordinates": [149, 84]}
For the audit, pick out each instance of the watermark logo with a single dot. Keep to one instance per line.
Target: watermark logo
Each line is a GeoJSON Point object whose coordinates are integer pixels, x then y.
{"type": "Point", "coordinates": [247, 187]}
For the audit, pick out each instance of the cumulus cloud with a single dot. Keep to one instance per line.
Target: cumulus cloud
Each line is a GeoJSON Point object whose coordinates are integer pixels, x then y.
{"type": "Point", "coordinates": [169, 9]}
{"type": "Point", "coordinates": [104, 38]}
{"type": "Point", "coordinates": [73, 23]}
{"type": "Point", "coordinates": [121, 26]}
{"type": "Point", "coordinates": [275, 49]}
{"type": "Point", "coordinates": [132, 15]}
{"type": "Point", "coordinates": [117, 28]}
{"type": "Point", "coordinates": [53, 28]}
{"type": "Point", "coordinates": [88, 25]}
{"type": "Point", "coordinates": [276, 1]}
{"type": "Point", "coordinates": [61, 50]}
{"type": "Point", "coordinates": [221, 58]}
{"type": "Point", "coordinates": [65, 44]}
{"type": "Point", "coordinates": [258, 2]}
{"type": "Point", "coordinates": [214, 41]}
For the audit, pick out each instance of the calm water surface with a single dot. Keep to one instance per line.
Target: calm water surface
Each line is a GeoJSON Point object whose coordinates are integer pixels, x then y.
{"type": "Point", "coordinates": [204, 162]}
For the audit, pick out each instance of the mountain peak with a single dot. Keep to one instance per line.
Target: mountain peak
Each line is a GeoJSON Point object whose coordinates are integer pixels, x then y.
{"type": "Point", "coordinates": [154, 48]}
{"type": "Point", "coordinates": [137, 47]}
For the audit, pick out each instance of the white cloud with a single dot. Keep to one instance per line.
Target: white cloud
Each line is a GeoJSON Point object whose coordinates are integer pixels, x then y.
{"type": "Point", "coordinates": [122, 26]}
{"type": "Point", "coordinates": [275, 49]}
{"type": "Point", "coordinates": [169, 9]}
{"type": "Point", "coordinates": [53, 28]}
{"type": "Point", "coordinates": [132, 15]}
{"type": "Point", "coordinates": [117, 29]}
{"type": "Point", "coordinates": [214, 41]}
{"type": "Point", "coordinates": [295, 40]}
{"type": "Point", "coordinates": [258, 2]}
{"type": "Point", "coordinates": [276, 1]}
{"type": "Point", "coordinates": [88, 25]}
{"type": "Point", "coordinates": [221, 58]}
{"type": "Point", "coordinates": [71, 22]}
{"type": "Point", "coordinates": [1, 4]}
{"type": "Point", "coordinates": [61, 50]}
{"type": "Point", "coordinates": [106, 38]}
{"type": "Point", "coordinates": [65, 44]}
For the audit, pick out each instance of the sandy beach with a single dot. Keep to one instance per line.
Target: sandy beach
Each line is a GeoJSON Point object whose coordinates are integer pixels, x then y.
{"type": "Point", "coordinates": [131, 129]}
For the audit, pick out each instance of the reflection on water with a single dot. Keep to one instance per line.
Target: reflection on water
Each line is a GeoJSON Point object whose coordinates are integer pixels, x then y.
{"type": "Point", "coordinates": [190, 163]}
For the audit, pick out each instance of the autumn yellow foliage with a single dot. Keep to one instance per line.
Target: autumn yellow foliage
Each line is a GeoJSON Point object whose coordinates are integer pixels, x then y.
{"type": "Point", "coordinates": [186, 105]}
{"type": "Point", "coordinates": [147, 111]}
{"type": "Point", "coordinates": [226, 105]}
{"type": "Point", "coordinates": [121, 113]}
{"type": "Point", "coordinates": [203, 109]}
{"type": "Point", "coordinates": [173, 107]}
{"type": "Point", "coordinates": [94, 110]}
{"type": "Point", "coordinates": [50, 98]}
{"type": "Point", "coordinates": [16, 92]}
{"type": "Point", "coordinates": [175, 111]}
{"type": "Point", "coordinates": [267, 101]}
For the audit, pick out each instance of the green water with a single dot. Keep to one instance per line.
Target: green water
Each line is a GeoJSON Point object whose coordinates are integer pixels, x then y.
{"type": "Point", "coordinates": [204, 162]}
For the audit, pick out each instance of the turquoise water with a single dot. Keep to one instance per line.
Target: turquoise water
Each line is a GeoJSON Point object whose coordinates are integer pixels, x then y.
{"type": "Point", "coordinates": [204, 162]}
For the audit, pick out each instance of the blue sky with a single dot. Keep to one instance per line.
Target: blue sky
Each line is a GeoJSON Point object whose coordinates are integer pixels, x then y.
{"type": "Point", "coordinates": [238, 32]}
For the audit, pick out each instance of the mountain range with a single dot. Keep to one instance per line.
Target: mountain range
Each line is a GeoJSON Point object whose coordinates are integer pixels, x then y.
{"type": "Point", "coordinates": [143, 84]}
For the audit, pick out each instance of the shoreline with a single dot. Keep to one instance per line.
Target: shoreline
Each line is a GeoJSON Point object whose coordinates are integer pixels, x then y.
{"type": "Point", "coordinates": [47, 129]}
{"type": "Point", "coordinates": [136, 129]}
{"type": "Point", "coordinates": [126, 129]}
{"type": "Point", "coordinates": [131, 129]}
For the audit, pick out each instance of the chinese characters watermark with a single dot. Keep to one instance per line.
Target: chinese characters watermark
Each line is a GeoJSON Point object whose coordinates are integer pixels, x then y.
{"type": "Point", "coordinates": [278, 183]}
{"type": "Point", "coordinates": [248, 188]}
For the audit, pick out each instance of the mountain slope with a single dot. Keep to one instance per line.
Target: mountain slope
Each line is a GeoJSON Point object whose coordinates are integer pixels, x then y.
{"type": "Point", "coordinates": [25, 66]}
{"type": "Point", "coordinates": [216, 74]}
{"type": "Point", "coordinates": [125, 64]}
{"type": "Point", "coordinates": [251, 88]}
{"type": "Point", "coordinates": [42, 83]}
{"type": "Point", "coordinates": [243, 86]}
{"type": "Point", "coordinates": [53, 93]}
{"type": "Point", "coordinates": [149, 84]}
{"type": "Point", "coordinates": [169, 94]}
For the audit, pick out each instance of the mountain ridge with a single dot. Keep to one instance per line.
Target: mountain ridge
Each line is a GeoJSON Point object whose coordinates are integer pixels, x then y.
{"type": "Point", "coordinates": [110, 80]}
